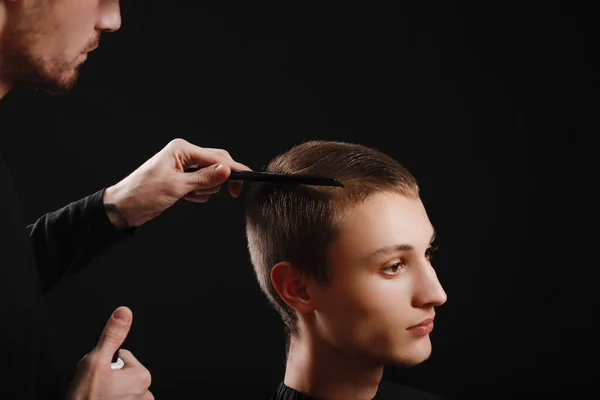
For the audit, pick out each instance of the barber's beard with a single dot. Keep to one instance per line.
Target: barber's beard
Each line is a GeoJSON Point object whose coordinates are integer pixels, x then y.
{"type": "Point", "coordinates": [51, 75]}
{"type": "Point", "coordinates": [21, 66]}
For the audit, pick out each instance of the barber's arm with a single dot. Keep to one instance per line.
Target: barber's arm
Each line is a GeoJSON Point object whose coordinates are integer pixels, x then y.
{"type": "Point", "coordinates": [66, 240]}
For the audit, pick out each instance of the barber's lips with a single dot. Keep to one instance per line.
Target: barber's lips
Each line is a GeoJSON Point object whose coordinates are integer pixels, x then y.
{"type": "Point", "coordinates": [90, 49]}
{"type": "Point", "coordinates": [423, 328]}
{"type": "Point", "coordinates": [84, 55]}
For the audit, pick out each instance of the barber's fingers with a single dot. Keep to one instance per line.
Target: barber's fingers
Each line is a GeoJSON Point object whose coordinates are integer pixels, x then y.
{"type": "Point", "coordinates": [114, 334]}
{"type": "Point", "coordinates": [202, 195]}
{"type": "Point", "coordinates": [197, 198]}
{"type": "Point", "coordinates": [223, 155]}
{"type": "Point", "coordinates": [190, 154]}
{"type": "Point", "coordinates": [210, 190]}
{"type": "Point", "coordinates": [215, 165]}
{"type": "Point", "coordinates": [139, 377]}
{"type": "Point", "coordinates": [234, 187]}
{"type": "Point", "coordinates": [208, 177]}
{"type": "Point", "coordinates": [129, 359]}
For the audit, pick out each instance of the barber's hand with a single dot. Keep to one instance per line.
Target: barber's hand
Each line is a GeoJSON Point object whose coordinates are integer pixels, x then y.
{"type": "Point", "coordinates": [95, 380]}
{"type": "Point", "coordinates": [161, 181]}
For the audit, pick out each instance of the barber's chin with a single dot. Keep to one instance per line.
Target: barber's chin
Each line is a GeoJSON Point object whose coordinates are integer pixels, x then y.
{"type": "Point", "coordinates": [62, 85]}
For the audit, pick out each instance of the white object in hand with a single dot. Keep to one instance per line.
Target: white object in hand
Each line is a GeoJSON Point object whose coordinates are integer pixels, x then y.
{"type": "Point", "coordinates": [118, 364]}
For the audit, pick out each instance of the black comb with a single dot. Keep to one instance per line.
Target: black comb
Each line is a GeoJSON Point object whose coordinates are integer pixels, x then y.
{"type": "Point", "coordinates": [294, 179]}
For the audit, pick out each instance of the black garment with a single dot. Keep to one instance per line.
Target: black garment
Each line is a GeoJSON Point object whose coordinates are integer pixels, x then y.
{"type": "Point", "coordinates": [386, 391]}
{"type": "Point", "coordinates": [33, 260]}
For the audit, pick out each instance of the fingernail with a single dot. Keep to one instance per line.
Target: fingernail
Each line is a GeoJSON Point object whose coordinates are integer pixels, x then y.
{"type": "Point", "coordinates": [121, 316]}
{"type": "Point", "coordinates": [219, 167]}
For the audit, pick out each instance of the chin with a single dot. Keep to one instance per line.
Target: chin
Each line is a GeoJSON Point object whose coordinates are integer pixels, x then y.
{"type": "Point", "coordinates": [410, 355]}
{"type": "Point", "coordinates": [52, 77]}
{"type": "Point", "coordinates": [60, 85]}
{"type": "Point", "coordinates": [56, 78]}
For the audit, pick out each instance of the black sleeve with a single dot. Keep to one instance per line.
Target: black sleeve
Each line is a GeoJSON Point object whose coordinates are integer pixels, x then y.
{"type": "Point", "coordinates": [391, 390]}
{"type": "Point", "coordinates": [64, 241]}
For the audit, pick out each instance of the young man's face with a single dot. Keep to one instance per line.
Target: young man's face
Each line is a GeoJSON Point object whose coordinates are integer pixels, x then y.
{"type": "Point", "coordinates": [382, 282]}
{"type": "Point", "coordinates": [45, 41]}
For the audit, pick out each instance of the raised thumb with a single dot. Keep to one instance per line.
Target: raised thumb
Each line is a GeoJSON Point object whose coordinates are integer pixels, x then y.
{"type": "Point", "coordinates": [115, 332]}
{"type": "Point", "coordinates": [210, 176]}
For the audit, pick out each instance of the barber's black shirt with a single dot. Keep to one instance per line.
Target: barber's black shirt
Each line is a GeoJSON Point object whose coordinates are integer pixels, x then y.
{"type": "Point", "coordinates": [33, 259]}
{"type": "Point", "coordinates": [386, 391]}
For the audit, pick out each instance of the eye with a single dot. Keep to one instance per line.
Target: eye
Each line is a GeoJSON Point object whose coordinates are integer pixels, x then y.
{"type": "Point", "coordinates": [429, 252]}
{"type": "Point", "coordinates": [394, 268]}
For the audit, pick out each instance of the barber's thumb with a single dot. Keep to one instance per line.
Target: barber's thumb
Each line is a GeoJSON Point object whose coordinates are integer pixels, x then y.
{"type": "Point", "coordinates": [211, 176]}
{"type": "Point", "coordinates": [115, 332]}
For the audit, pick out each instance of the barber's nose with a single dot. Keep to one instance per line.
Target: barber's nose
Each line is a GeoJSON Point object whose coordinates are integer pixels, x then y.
{"type": "Point", "coordinates": [109, 16]}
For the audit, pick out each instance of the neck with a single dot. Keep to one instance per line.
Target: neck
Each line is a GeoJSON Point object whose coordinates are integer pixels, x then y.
{"type": "Point", "coordinates": [318, 369]}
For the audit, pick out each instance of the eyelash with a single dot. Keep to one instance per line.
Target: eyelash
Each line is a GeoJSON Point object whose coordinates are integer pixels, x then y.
{"type": "Point", "coordinates": [401, 264]}
{"type": "Point", "coordinates": [396, 266]}
{"type": "Point", "coordinates": [429, 252]}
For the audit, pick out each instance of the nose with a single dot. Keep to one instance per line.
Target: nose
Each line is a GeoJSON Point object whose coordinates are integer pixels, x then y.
{"type": "Point", "coordinates": [429, 291]}
{"type": "Point", "coordinates": [109, 16]}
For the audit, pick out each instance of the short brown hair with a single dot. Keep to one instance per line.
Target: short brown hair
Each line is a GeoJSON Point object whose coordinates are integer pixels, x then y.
{"type": "Point", "coordinates": [296, 223]}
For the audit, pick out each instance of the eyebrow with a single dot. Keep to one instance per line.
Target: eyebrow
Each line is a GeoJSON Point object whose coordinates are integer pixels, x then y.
{"type": "Point", "coordinates": [399, 247]}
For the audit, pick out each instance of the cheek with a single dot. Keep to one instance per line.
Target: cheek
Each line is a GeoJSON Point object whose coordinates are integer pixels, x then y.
{"type": "Point", "coordinates": [366, 307]}
{"type": "Point", "coordinates": [381, 304]}
{"type": "Point", "coordinates": [73, 24]}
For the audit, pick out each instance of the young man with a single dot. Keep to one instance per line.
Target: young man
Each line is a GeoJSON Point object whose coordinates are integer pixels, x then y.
{"type": "Point", "coordinates": [348, 269]}
{"type": "Point", "coordinates": [43, 43]}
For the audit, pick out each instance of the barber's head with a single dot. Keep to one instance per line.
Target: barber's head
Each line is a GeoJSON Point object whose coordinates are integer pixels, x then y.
{"type": "Point", "coordinates": [44, 42]}
{"type": "Point", "coordinates": [350, 265]}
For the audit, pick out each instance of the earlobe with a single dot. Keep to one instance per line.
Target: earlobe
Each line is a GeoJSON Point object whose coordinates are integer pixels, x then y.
{"type": "Point", "coordinates": [291, 285]}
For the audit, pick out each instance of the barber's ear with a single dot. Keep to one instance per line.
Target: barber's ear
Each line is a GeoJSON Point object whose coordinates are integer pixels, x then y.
{"type": "Point", "coordinates": [292, 286]}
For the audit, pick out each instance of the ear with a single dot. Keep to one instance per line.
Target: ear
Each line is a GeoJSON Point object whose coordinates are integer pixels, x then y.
{"type": "Point", "coordinates": [292, 287]}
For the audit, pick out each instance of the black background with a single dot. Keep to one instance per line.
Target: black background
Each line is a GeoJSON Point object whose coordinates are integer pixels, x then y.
{"type": "Point", "coordinates": [486, 104]}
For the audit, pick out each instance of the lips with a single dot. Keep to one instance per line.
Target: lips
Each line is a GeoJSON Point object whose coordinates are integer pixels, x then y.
{"type": "Point", "coordinates": [93, 44]}
{"type": "Point", "coordinates": [423, 328]}
{"type": "Point", "coordinates": [422, 323]}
